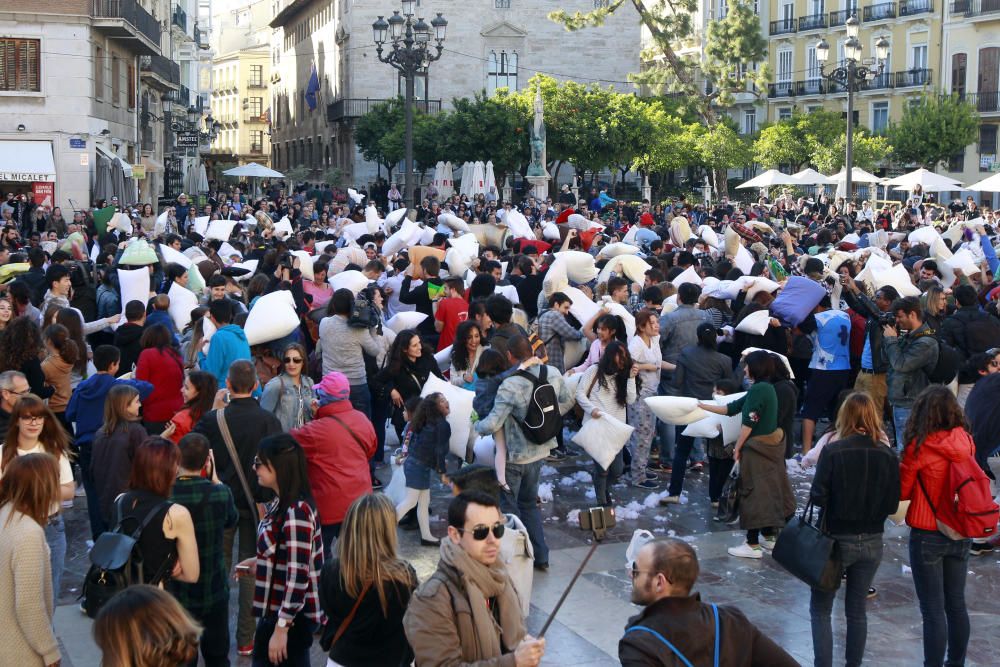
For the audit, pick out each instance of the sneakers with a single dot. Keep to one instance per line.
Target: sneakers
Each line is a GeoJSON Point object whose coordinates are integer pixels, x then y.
{"type": "Point", "coordinates": [767, 543]}
{"type": "Point", "coordinates": [872, 592]}
{"type": "Point", "coordinates": [746, 551]}
{"type": "Point", "coordinates": [647, 483]}
{"type": "Point", "coordinates": [652, 476]}
{"type": "Point", "coordinates": [555, 456]}
{"type": "Point", "coordinates": [697, 466]}
{"type": "Point", "coordinates": [245, 650]}
{"type": "Point", "coordinates": [670, 500]}
{"type": "Point", "coordinates": [980, 548]}
{"type": "Point", "coordinates": [715, 504]}
{"type": "Point", "coordinates": [662, 468]}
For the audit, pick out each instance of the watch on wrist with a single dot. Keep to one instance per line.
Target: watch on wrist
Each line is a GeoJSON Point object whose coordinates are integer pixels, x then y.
{"type": "Point", "coordinates": [283, 623]}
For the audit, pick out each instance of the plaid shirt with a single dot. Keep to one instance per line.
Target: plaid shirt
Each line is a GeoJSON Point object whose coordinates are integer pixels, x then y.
{"type": "Point", "coordinates": [554, 330]}
{"type": "Point", "coordinates": [212, 511]}
{"type": "Point", "coordinates": [287, 581]}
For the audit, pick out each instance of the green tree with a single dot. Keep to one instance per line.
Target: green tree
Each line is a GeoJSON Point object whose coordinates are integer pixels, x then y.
{"type": "Point", "coordinates": [934, 130]}
{"type": "Point", "coordinates": [788, 141]}
{"type": "Point", "coordinates": [730, 45]}
{"type": "Point", "coordinates": [720, 149]}
{"type": "Point", "coordinates": [372, 134]}
{"type": "Point", "coordinates": [672, 145]}
{"type": "Point", "coordinates": [869, 151]}
{"type": "Point", "coordinates": [487, 128]}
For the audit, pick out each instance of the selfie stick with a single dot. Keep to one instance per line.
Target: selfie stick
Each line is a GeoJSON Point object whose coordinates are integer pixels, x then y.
{"type": "Point", "coordinates": [579, 571]}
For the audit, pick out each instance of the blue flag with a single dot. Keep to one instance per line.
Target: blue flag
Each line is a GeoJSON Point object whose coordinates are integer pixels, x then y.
{"type": "Point", "coordinates": [312, 88]}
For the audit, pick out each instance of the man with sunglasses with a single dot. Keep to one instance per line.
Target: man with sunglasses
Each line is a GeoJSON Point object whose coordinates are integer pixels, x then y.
{"type": "Point", "coordinates": [468, 611]}
{"type": "Point", "coordinates": [676, 623]}
{"type": "Point", "coordinates": [13, 385]}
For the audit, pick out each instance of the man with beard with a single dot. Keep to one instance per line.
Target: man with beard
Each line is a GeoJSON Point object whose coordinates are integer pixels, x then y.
{"type": "Point", "coordinates": [676, 623]}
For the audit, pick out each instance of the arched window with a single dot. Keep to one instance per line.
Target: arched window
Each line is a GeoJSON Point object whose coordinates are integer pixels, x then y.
{"type": "Point", "coordinates": [501, 71]}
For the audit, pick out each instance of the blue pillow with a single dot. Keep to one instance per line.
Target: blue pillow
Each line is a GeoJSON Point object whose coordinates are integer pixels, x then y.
{"type": "Point", "coordinates": [797, 299]}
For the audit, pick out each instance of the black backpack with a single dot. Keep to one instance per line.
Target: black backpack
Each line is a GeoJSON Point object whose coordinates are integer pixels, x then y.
{"type": "Point", "coordinates": [116, 561]}
{"type": "Point", "coordinates": [982, 332]}
{"type": "Point", "coordinates": [543, 420]}
{"type": "Point", "coordinates": [949, 361]}
{"type": "Point", "coordinates": [364, 314]}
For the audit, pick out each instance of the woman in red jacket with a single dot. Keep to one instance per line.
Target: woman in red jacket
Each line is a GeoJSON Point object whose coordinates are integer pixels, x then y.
{"type": "Point", "coordinates": [338, 443]}
{"type": "Point", "coordinates": [935, 438]}
{"type": "Point", "coordinates": [198, 392]}
{"type": "Point", "coordinates": [160, 365]}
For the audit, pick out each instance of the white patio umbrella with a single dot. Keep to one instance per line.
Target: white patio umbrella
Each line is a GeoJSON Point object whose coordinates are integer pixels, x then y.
{"type": "Point", "coordinates": [991, 184]}
{"type": "Point", "coordinates": [478, 179]}
{"type": "Point", "coordinates": [927, 180]}
{"type": "Point", "coordinates": [447, 187]}
{"type": "Point", "coordinates": [491, 179]}
{"type": "Point", "coordinates": [466, 188]}
{"type": "Point", "coordinates": [253, 170]}
{"type": "Point", "coordinates": [202, 178]}
{"type": "Point", "coordinates": [438, 176]}
{"type": "Point", "coordinates": [812, 177]}
{"type": "Point", "coordinates": [858, 175]}
{"type": "Point", "coordinates": [769, 178]}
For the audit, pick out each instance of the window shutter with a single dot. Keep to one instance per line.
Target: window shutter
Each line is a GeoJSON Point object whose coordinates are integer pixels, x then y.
{"type": "Point", "coordinates": [6, 64]}
{"type": "Point", "coordinates": [31, 64]}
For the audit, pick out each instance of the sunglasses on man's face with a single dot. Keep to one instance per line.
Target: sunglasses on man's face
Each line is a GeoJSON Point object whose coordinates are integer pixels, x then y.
{"type": "Point", "coordinates": [479, 533]}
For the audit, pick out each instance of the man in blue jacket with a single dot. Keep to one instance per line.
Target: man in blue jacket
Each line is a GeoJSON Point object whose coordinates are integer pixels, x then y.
{"type": "Point", "coordinates": [86, 408]}
{"type": "Point", "coordinates": [228, 344]}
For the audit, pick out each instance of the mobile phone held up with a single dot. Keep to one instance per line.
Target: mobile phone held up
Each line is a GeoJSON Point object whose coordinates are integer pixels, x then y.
{"type": "Point", "coordinates": [598, 520]}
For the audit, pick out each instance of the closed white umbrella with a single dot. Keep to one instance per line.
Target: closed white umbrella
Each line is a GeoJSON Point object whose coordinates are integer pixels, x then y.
{"type": "Point", "coordinates": [478, 179]}
{"type": "Point", "coordinates": [447, 187]}
{"type": "Point", "coordinates": [466, 188]}
{"type": "Point", "coordinates": [991, 184]}
{"type": "Point", "coordinates": [202, 178]}
{"type": "Point", "coordinates": [438, 176]}
{"type": "Point", "coordinates": [927, 180]}
{"type": "Point", "coordinates": [769, 178]}
{"type": "Point", "coordinates": [812, 177]}
{"type": "Point", "coordinates": [491, 179]}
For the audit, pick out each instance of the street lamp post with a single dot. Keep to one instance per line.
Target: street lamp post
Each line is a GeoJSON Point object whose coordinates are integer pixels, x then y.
{"type": "Point", "coordinates": [410, 54]}
{"type": "Point", "coordinates": [190, 122]}
{"type": "Point", "coordinates": [851, 74]}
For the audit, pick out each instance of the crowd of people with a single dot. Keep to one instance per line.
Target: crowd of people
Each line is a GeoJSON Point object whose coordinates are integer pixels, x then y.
{"type": "Point", "coordinates": [272, 396]}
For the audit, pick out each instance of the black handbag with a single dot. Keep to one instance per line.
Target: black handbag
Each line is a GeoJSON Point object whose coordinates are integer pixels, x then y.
{"type": "Point", "coordinates": [807, 552]}
{"type": "Point", "coordinates": [729, 499]}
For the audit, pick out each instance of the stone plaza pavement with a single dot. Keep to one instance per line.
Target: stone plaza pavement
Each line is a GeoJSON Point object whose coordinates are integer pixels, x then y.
{"type": "Point", "coordinates": [587, 628]}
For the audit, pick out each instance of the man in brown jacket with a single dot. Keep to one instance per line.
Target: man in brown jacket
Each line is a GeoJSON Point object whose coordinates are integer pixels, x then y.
{"type": "Point", "coordinates": [676, 623]}
{"type": "Point", "coordinates": [454, 617]}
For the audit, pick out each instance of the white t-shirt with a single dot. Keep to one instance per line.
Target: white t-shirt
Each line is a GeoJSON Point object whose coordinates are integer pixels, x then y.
{"type": "Point", "coordinates": [65, 471]}
{"type": "Point", "coordinates": [647, 355]}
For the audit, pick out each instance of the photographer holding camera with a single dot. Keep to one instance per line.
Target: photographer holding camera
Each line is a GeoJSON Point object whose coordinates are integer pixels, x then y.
{"type": "Point", "coordinates": [910, 350]}
{"type": "Point", "coordinates": [877, 313]}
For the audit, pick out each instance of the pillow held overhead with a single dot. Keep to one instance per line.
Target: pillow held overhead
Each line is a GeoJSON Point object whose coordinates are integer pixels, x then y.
{"type": "Point", "coordinates": [408, 320]}
{"type": "Point", "coordinates": [798, 298]}
{"type": "Point", "coordinates": [352, 280]}
{"type": "Point", "coordinates": [675, 409]}
{"type": "Point", "coordinates": [755, 323]}
{"type": "Point", "coordinates": [272, 317]}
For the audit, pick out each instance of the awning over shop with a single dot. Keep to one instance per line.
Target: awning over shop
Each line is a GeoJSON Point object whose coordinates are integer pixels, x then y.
{"type": "Point", "coordinates": [112, 156]}
{"type": "Point", "coordinates": [27, 161]}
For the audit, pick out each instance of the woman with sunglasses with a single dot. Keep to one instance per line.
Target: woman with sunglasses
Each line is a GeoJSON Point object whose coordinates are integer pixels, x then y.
{"type": "Point", "coordinates": [289, 558]}
{"type": "Point", "coordinates": [34, 429]}
{"type": "Point", "coordinates": [290, 395]}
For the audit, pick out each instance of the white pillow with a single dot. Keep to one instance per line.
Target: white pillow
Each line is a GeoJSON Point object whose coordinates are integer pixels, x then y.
{"type": "Point", "coordinates": [453, 222]}
{"type": "Point", "coordinates": [926, 235]}
{"type": "Point", "coordinates": [964, 260]}
{"type": "Point", "coordinates": [518, 225]}
{"type": "Point", "coordinates": [573, 353]}
{"type": "Point", "coordinates": [427, 235]}
{"type": "Point", "coordinates": [133, 286]}
{"type": "Point", "coordinates": [550, 232]}
{"type": "Point", "coordinates": [220, 229]}
{"type": "Point", "coordinates": [555, 279]}
{"type": "Point", "coordinates": [784, 359]}
{"type": "Point", "coordinates": [622, 312]}
{"type": "Point", "coordinates": [582, 308]}
{"type": "Point", "coordinates": [743, 259]}
{"type": "Point", "coordinates": [352, 280]}
{"type": "Point", "coordinates": [272, 317]}
{"type": "Point", "coordinates": [407, 234]}
{"type": "Point", "coordinates": [709, 236]}
{"type": "Point", "coordinates": [250, 265]}
{"type": "Point", "coordinates": [443, 358]}
{"type": "Point", "coordinates": [680, 231]}
{"type": "Point", "coordinates": [466, 243]}
{"type": "Point", "coordinates": [305, 263]}
{"type": "Point", "coordinates": [675, 409]}
{"type": "Point", "coordinates": [182, 302]}
{"type": "Point", "coordinates": [632, 267]}
{"type": "Point", "coordinates": [171, 256]}
{"type": "Point", "coordinates": [283, 228]}
{"type": "Point", "coordinates": [579, 265]}
{"type": "Point", "coordinates": [732, 241]}
{"type": "Point", "coordinates": [354, 231]}
{"type": "Point", "coordinates": [347, 255]}
{"type": "Point", "coordinates": [603, 438]}
{"type": "Point", "coordinates": [688, 276]}
{"type": "Point", "coordinates": [755, 323]}
{"type": "Point", "coordinates": [899, 278]}
{"type": "Point", "coordinates": [394, 217]}
{"type": "Point", "coordinates": [460, 415]}
{"type": "Point", "coordinates": [227, 252]}
{"type": "Point", "coordinates": [615, 249]}
{"type": "Point", "coordinates": [372, 221]}
{"type": "Point", "coordinates": [402, 321]}
{"type": "Point", "coordinates": [757, 284]}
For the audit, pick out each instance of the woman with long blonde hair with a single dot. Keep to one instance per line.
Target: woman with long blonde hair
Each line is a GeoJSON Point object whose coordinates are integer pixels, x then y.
{"type": "Point", "coordinates": [144, 626]}
{"type": "Point", "coordinates": [30, 486]}
{"type": "Point", "coordinates": [857, 487]}
{"type": "Point", "coordinates": [366, 589]}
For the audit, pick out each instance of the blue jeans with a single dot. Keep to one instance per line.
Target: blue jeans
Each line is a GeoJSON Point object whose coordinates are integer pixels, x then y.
{"type": "Point", "coordinates": [522, 478]}
{"type": "Point", "coordinates": [604, 478]}
{"type": "Point", "coordinates": [939, 568]}
{"type": "Point", "coordinates": [860, 556]}
{"type": "Point", "coordinates": [55, 536]}
{"type": "Point", "coordinates": [899, 417]}
{"type": "Point", "coordinates": [361, 399]}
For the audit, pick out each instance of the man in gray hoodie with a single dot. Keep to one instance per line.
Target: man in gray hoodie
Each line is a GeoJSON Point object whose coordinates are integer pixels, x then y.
{"type": "Point", "coordinates": [911, 355]}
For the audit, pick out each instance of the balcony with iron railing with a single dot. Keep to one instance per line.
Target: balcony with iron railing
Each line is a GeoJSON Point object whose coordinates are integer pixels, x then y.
{"type": "Point", "coordinates": [180, 18]}
{"type": "Point", "coordinates": [914, 7]}
{"type": "Point", "coordinates": [127, 20]}
{"type": "Point", "coordinates": [160, 70]}
{"type": "Point", "coordinates": [256, 148]}
{"type": "Point", "coordinates": [349, 108]}
{"type": "Point", "coordinates": [839, 18]}
{"type": "Point", "coordinates": [782, 26]}
{"type": "Point", "coordinates": [973, 9]}
{"type": "Point", "coordinates": [814, 22]}
{"type": "Point", "coordinates": [255, 118]}
{"type": "Point", "coordinates": [985, 101]}
{"type": "Point", "coordinates": [256, 83]}
{"type": "Point", "coordinates": [879, 12]}
{"type": "Point", "coordinates": [884, 81]}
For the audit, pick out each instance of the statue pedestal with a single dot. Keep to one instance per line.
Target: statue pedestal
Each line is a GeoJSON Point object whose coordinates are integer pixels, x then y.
{"type": "Point", "coordinates": [647, 190]}
{"type": "Point", "coordinates": [539, 187]}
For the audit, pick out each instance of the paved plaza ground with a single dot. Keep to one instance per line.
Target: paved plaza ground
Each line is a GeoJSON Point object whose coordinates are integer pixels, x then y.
{"type": "Point", "coordinates": [588, 627]}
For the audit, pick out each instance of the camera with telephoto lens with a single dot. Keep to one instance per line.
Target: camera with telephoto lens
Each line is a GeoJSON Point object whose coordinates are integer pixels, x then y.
{"type": "Point", "coordinates": [887, 319]}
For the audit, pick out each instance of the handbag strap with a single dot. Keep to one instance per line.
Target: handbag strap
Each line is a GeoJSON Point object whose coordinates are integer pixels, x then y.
{"type": "Point", "coordinates": [227, 437]}
{"type": "Point", "coordinates": [676, 651]}
{"type": "Point", "coordinates": [353, 435]}
{"type": "Point", "coordinates": [350, 617]}
{"type": "Point", "coordinates": [926, 495]}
